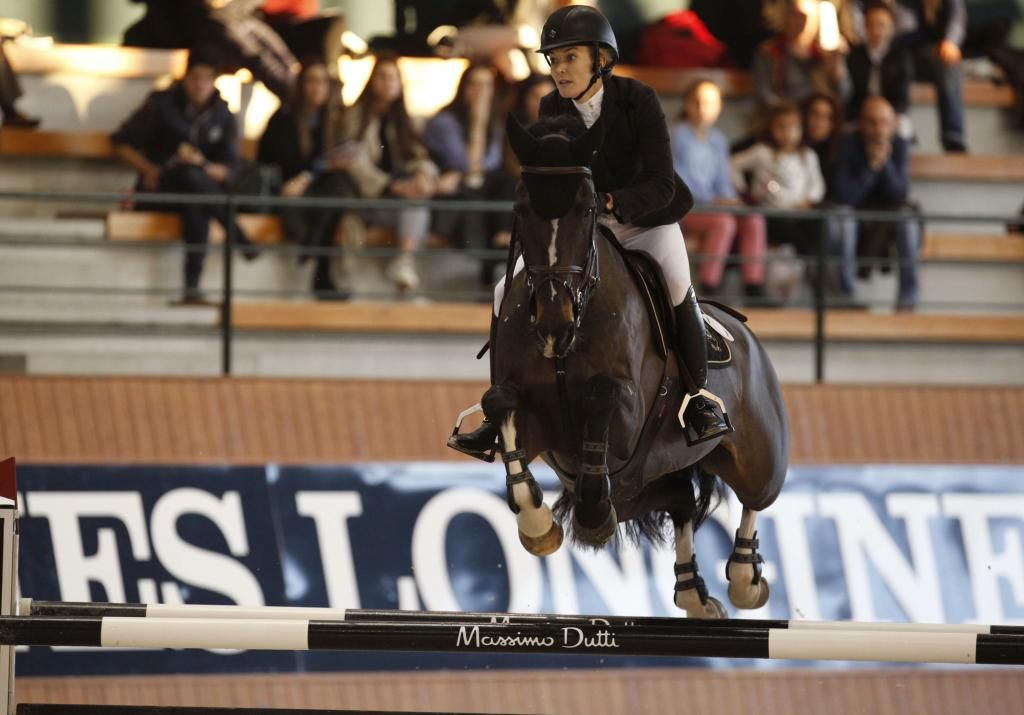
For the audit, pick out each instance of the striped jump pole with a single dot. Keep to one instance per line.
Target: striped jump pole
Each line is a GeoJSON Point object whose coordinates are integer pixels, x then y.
{"type": "Point", "coordinates": [697, 640]}
{"type": "Point", "coordinates": [31, 607]}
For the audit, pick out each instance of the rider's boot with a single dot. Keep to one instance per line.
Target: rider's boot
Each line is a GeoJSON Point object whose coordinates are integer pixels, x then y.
{"type": "Point", "coordinates": [703, 417]}
{"type": "Point", "coordinates": [480, 443]}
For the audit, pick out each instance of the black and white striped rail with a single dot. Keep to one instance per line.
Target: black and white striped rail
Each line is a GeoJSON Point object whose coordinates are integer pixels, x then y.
{"type": "Point", "coordinates": [703, 639]}
{"type": "Point", "coordinates": [30, 607]}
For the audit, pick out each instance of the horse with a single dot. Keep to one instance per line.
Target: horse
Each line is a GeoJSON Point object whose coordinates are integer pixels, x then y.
{"type": "Point", "coordinates": [576, 336]}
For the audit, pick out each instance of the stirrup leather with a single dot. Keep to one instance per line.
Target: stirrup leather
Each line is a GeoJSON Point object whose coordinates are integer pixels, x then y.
{"type": "Point", "coordinates": [453, 443]}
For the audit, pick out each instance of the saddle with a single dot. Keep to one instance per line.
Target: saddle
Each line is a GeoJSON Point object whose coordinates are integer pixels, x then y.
{"type": "Point", "coordinates": [650, 281]}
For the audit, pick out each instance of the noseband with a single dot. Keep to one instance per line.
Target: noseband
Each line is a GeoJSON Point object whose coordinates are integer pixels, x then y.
{"type": "Point", "coordinates": [579, 281]}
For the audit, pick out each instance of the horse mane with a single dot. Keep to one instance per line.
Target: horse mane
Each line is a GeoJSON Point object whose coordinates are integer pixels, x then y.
{"type": "Point", "coordinates": [569, 126]}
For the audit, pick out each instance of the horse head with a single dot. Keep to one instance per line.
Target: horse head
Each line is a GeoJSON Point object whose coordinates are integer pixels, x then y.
{"type": "Point", "coordinates": [556, 217]}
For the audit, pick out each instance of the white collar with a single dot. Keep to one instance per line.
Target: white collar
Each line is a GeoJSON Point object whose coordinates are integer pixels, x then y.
{"type": "Point", "coordinates": [590, 110]}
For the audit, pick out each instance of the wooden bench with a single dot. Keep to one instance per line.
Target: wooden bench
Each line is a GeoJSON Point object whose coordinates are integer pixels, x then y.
{"type": "Point", "coordinates": [989, 168]}
{"type": "Point", "coordinates": [74, 145]}
{"type": "Point", "coordinates": [795, 325]}
{"type": "Point", "coordinates": [266, 229]}
{"type": "Point", "coordinates": [967, 248]}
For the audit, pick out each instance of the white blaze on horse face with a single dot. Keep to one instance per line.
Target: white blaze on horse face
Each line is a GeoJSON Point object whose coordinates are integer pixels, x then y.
{"type": "Point", "coordinates": [553, 254]}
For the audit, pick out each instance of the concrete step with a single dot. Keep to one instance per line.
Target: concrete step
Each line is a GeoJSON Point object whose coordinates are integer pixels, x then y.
{"type": "Point", "coordinates": [452, 357]}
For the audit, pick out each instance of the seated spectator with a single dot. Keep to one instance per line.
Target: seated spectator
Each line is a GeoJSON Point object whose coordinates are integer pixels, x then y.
{"type": "Point", "coordinates": [392, 162]}
{"type": "Point", "coordinates": [881, 66]}
{"type": "Point", "coordinates": [465, 141]}
{"type": "Point", "coordinates": [941, 26]}
{"type": "Point", "coordinates": [823, 128]}
{"type": "Point", "coordinates": [10, 91]}
{"type": "Point", "coordinates": [230, 32]}
{"type": "Point", "coordinates": [793, 65]}
{"type": "Point", "coordinates": [873, 174]}
{"type": "Point", "coordinates": [304, 142]}
{"type": "Point", "coordinates": [184, 140]}
{"type": "Point", "coordinates": [528, 93]}
{"type": "Point", "coordinates": [700, 154]}
{"type": "Point", "coordinates": [784, 174]}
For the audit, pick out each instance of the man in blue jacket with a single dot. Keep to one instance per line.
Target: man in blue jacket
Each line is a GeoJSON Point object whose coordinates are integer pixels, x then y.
{"type": "Point", "coordinates": [184, 140]}
{"type": "Point", "coordinates": [873, 173]}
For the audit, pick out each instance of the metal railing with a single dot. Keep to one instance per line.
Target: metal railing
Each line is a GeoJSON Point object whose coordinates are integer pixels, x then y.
{"type": "Point", "coordinates": [234, 204]}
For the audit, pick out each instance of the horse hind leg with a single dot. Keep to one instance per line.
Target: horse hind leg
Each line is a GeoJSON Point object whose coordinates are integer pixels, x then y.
{"type": "Point", "coordinates": [539, 533]}
{"type": "Point", "coordinates": [594, 517]}
{"type": "Point", "coordinates": [747, 588]}
{"type": "Point", "coordinates": [691, 593]}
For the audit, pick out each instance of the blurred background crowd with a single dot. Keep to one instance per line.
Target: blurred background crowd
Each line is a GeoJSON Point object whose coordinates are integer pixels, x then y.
{"type": "Point", "coordinates": [830, 127]}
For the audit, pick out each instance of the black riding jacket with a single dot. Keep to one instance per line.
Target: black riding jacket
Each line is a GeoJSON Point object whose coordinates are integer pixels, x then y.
{"type": "Point", "coordinates": [634, 164]}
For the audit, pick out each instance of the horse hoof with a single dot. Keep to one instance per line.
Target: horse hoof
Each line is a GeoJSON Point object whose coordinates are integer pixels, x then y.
{"type": "Point", "coordinates": [602, 534]}
{"type": "Point", "coordinates": [713, 609]}
{"type": "Point", "coordinates": [544, 545]}
{"type": "Point", "coordinates": [749, 597]}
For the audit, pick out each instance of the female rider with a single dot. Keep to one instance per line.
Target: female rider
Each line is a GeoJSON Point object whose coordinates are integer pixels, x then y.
{"type": "Point", "coordinates": [642, 197]}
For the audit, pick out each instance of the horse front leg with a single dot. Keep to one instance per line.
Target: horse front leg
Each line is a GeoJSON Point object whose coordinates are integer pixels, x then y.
{"type": "Point", "coordinates": [594, 517]}
{"type": "Point", "coordinates": [539, 533]}
{"type": "Point", "coordinates": [747, 588]}
{"type": "Point", "coordinates": [691, 593]}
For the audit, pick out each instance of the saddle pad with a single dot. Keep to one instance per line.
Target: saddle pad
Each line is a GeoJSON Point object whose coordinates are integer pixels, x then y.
{"type": "Point", "coordinates": [719, 337]}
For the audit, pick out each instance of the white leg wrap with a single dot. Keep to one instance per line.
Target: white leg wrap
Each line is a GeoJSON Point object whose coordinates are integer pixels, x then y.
{"type": "Point", "coordinates": [532, 521]}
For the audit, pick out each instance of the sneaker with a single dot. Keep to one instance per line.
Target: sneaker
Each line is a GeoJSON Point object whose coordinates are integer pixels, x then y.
{"type": "Point", "coordinates": [402, 270]}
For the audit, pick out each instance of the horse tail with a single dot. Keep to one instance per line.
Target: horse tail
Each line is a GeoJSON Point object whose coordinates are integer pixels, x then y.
{"type": "Point", "coordinates": [710, 492]}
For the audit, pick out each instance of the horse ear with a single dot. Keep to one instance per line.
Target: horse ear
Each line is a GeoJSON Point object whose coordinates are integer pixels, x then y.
{"type": "Point", "coordinates": [524, 145]}
{"type": "Point", "coordinates": [586, 145]}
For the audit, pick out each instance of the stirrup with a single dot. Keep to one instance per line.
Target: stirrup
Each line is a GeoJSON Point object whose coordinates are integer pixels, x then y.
{"type": "Point", "coordinates": [453, 440]}
{"type": "Point", "coordinates": [688, 431]}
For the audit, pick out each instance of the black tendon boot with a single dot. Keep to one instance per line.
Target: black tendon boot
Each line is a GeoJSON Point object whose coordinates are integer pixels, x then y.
{"type": "Point", "coordinates": [703, 419]}
{"type": "Point", "coordinates": [481, 442]}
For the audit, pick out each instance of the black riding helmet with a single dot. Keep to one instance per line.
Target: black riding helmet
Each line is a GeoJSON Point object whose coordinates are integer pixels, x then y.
{"type": "Point", "coordinates": [585, 26]}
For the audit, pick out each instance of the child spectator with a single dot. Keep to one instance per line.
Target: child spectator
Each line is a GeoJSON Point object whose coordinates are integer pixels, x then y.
{"type": "Point", "coordinates": [700, 154]}
{"type": "Point", "coordinates": [784, 174]}
{"type": "Point", "coordinates": [184, 140]}
{"type": "Point", "coordinates": [881, 66]}
{"type": "Point", "coordinates": [303, 141]}
{"type": "Point", "coordinates": [873, 174]}
{"type": "Point", "coordinates": [465, 141]}
{"type": "Point", "coordinates": [391, 162]}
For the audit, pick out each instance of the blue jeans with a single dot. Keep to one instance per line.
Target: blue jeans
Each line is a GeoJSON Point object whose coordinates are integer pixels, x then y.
{"type": "Point", "coordinates": [905, 236]}
{"type": "Point", "coordinates": [947, 80]}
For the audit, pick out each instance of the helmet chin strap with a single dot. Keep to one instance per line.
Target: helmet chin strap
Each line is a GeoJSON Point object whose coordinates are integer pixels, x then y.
{"type": "Point", "coordinates": [596, 73]}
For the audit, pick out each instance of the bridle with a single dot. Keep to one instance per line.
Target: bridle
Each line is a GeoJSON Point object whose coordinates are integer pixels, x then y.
{"type": "Point", "coordinates": [579, 281]}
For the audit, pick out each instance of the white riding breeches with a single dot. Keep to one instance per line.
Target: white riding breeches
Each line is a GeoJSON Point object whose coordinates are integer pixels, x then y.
{"type": "Point", "coordinates": [664, 244]}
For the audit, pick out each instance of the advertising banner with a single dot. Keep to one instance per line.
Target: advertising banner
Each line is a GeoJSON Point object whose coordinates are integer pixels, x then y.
{"type": "Point", "coordinates": [907, 543]}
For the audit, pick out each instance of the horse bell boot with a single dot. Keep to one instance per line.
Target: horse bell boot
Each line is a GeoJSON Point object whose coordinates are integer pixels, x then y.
{"type": "Point", "coordinates": [703, 418]}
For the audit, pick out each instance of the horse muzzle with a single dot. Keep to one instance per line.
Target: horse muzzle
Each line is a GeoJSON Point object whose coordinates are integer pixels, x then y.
{"type": "Point", "coordinates": [557, 343]}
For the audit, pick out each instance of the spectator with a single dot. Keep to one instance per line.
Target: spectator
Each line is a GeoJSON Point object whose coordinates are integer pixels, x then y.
{"type": "Point", "coordinates": [393, 163]}
{"type": "Point", "coordinates": [184, 140]}
{"type": "Point", "coordinates": [230, 32]}
{"type": "Point", "coordinates": [873, 174]}
{"type": "Point", "coordinates": [10, 91]}
{"type": "Point", "coordinates": [784, 174]}
{"type": "Point", "coordinates": [881, 66]}
{"type": "Point", "coordinates": [941, 26]}
{"type": "Point", "coordinates": [465, 141]}
{"type": "Point", "coordinates": [303, 141]}
{"type": "Point", "coordinates": [528, 93]}
{"type": "Point", "coordinates": [823, 124]}
{"type": "Point", "coordinates": [700, 153]}
{"type": "Point", "coordinates": [793, 65]}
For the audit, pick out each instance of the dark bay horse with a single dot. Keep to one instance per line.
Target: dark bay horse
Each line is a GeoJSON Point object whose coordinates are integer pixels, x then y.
{"type": "Point", "coordinates": [578, 381]}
